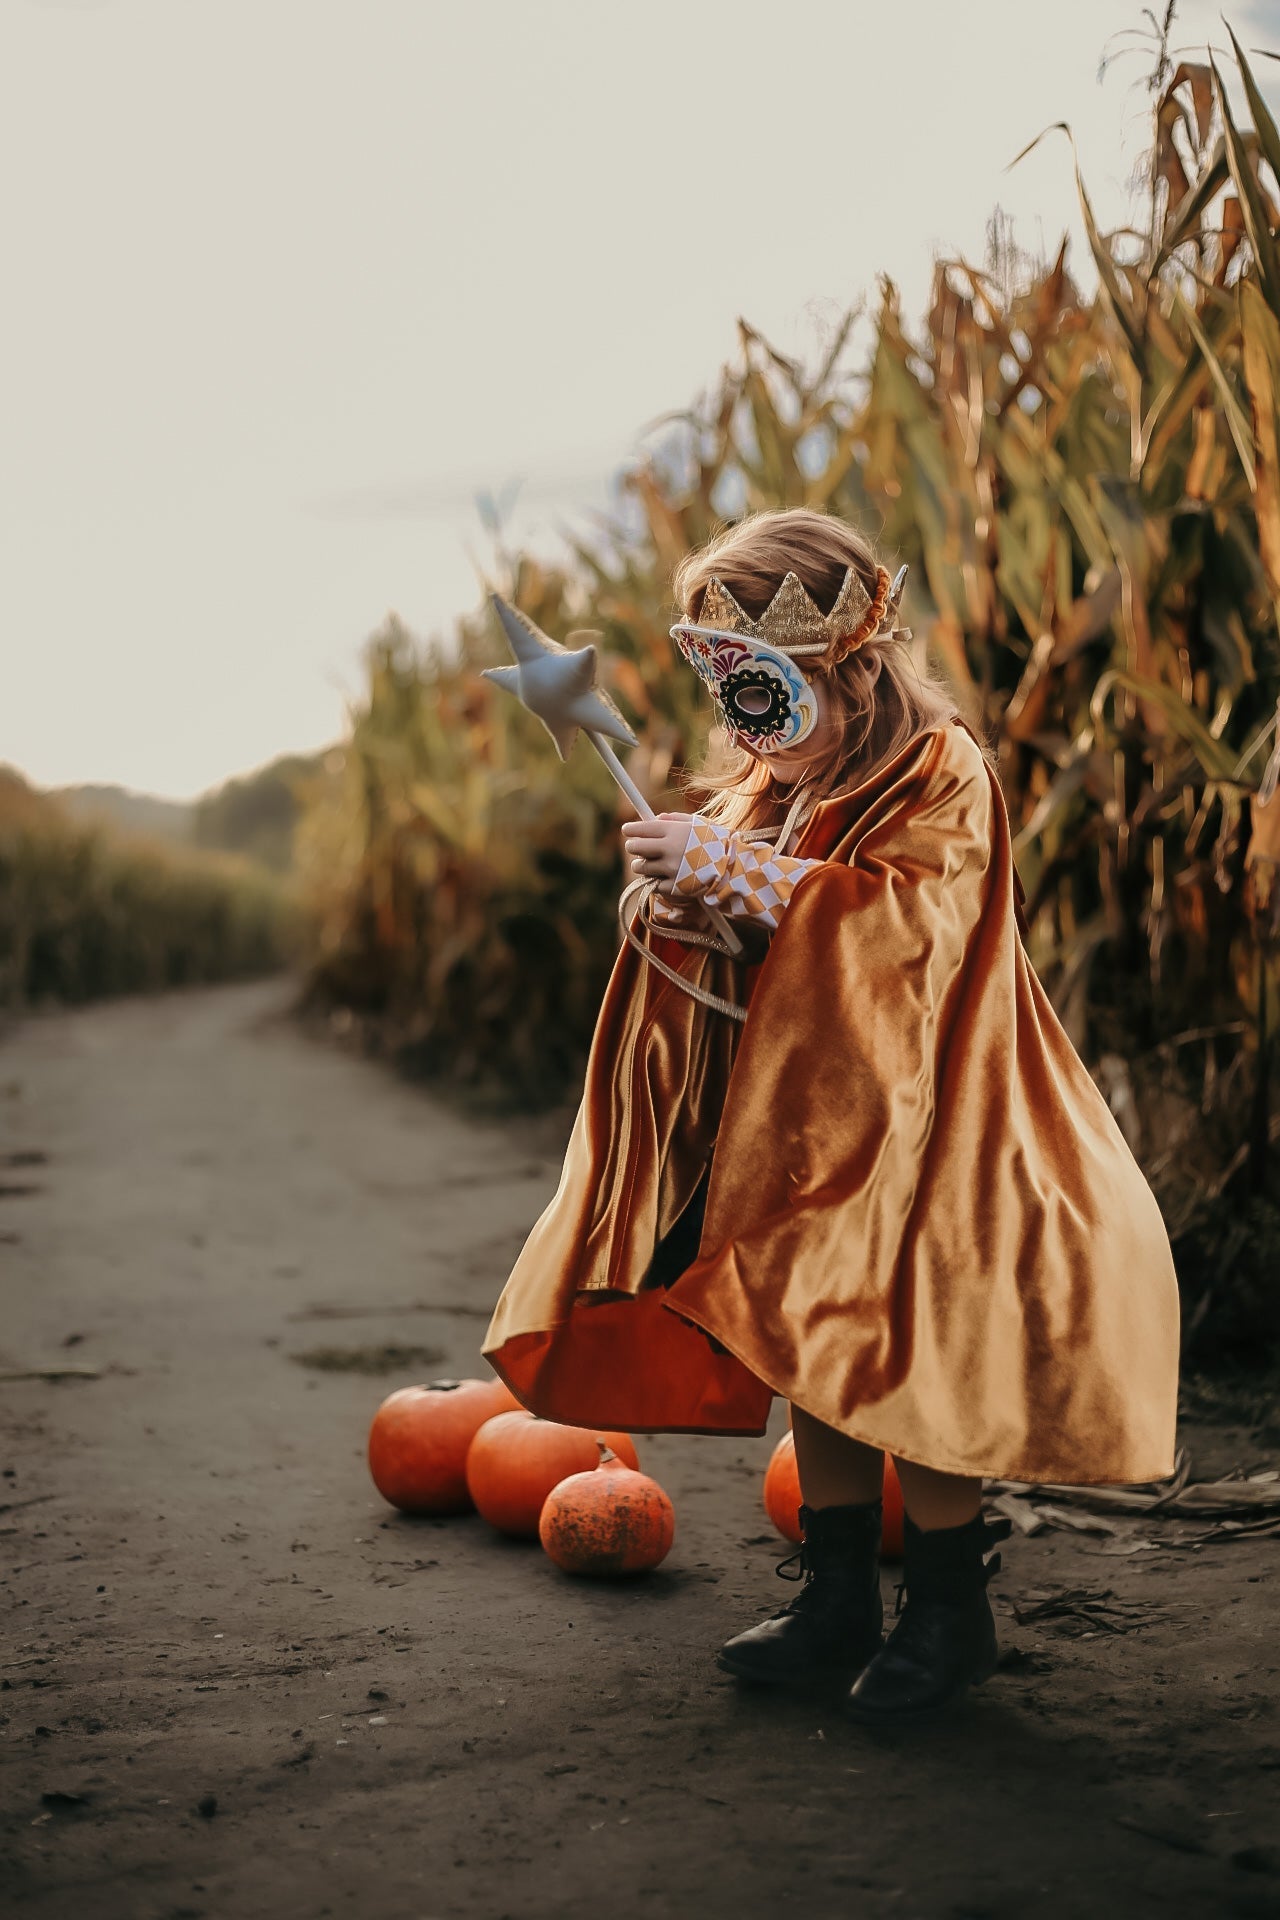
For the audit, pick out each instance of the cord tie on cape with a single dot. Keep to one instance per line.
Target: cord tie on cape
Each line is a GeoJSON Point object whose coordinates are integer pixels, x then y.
{"type": "Point", "coordinates": [634, 904]}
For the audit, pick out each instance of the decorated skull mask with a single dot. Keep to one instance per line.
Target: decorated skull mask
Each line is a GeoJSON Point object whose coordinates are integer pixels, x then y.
{"type": "Point", "coordinates": [764, 699]}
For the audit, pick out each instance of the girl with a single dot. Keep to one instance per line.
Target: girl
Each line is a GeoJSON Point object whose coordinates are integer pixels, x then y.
{"type": "Point", "coordinates": [890, 1192]}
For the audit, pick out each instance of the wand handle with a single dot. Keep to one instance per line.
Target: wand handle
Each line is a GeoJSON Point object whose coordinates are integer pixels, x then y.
{"type": "Point", "coordinates": [621, 775]}
{"type": "Point", "coordinates": [646, 812]}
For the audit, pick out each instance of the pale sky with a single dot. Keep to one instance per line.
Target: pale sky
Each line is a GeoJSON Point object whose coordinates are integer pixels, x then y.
{"type": "Point", "coordinates": [287, 281]}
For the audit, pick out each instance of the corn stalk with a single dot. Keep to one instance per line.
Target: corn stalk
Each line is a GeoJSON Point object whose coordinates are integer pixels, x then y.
{"type": "Point", "coordinates": [1088, 490]}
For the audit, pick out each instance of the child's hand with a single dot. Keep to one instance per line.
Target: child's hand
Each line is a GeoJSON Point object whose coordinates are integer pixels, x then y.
{"type": "Point", "coordinates": [655, 847]}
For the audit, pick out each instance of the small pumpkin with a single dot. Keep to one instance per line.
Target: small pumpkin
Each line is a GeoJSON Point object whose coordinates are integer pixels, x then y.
{"type": "Point", "coordinates": [608, 1522]}
{"type": "Point", "coordinates": [782, 1498]}
{"type": "Point", "coordinates": [419, 1439]}
{"type": "Point", "coordinates": [516, 1459]}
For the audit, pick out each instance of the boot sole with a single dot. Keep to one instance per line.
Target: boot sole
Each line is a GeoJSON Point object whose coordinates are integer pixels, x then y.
{"type": "Point", "coordinates": [915, 1716]}
{"type": "Point", "coordinates": [827, 1680]}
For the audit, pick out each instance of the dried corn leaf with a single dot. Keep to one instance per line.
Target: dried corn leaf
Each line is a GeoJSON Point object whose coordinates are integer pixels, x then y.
{"type": "Point", "coordinates": [1177, 1497]}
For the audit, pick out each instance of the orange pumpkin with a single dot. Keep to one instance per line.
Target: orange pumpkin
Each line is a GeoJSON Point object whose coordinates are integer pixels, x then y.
{"type": "Point", "coordinates": [782, 1498]}
{"type": "Point", "coordinates": [419, 1438]}
{"type": "Point", "coordinates": [608, 1522]}
{"type": "Point", "coordinates": [516, 1459]}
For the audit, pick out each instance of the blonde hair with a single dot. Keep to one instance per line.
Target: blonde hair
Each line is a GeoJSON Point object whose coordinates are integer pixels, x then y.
{"type": "Point", "coordinates": [880, 699]}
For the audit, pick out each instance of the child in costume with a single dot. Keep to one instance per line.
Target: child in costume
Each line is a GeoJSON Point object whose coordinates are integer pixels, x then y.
{"type": "Point", "coordinates": [857, 1163]}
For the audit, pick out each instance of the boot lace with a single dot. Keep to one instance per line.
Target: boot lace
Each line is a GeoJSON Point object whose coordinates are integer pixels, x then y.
{"type": "Point", "coordinates": [802, 1564]}
{"type": "Point", "coordinates": [804, 1571]}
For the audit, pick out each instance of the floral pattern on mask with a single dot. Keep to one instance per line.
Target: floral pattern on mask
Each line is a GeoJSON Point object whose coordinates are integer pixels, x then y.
{"type": "Point", "coordinates": [764, 699]}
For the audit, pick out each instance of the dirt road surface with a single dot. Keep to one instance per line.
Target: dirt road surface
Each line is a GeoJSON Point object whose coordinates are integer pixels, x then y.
{"type": "Point", "coordinates": [235, 1684]}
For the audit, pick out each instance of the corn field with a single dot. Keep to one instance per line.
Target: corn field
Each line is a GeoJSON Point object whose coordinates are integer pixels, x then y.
{"type": "Point", "coordinates": [84, 914]}
{"type": "Point", "coordinates": [1088, 492]}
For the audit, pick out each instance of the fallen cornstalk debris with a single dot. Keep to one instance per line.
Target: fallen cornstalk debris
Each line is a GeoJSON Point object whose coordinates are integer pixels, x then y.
{"type": "Point", "coordinates": [1229, 1530]}
{"type": "Point", "coordinates": [1239, 1493]}
{"type": "Point", "coordinates": [1032, 1517]}
{"type": "Point", "coordinates": [10, 1374]}
{"type": "Point", "coordinates": [1084, 1610]}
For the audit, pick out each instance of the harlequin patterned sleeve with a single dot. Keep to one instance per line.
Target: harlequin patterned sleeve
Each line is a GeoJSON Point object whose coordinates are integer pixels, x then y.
{"type": "Point", "coordinates": [668, 913]}
{"type": "Point", "coordinates": [752, 882]}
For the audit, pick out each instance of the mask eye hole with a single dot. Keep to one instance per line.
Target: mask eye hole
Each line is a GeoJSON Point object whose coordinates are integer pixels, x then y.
{"type": "Point", "coordinates": [755, 700]}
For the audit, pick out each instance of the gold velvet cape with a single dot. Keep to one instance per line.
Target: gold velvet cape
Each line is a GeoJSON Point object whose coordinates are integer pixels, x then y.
{"type": "Point", "coordinates": [922, 1225]}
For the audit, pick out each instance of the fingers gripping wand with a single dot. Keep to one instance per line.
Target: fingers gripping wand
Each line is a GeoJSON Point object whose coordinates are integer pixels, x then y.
{"type": "Point", "coordinates": [560, 685]}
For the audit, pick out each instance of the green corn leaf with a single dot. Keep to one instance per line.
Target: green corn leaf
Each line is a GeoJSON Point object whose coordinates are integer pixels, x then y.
{"type": "Point", "coordinates": [1252, 205]}
{"type": "Point", "coordinates": [1217, 760]}
{"type": "Point", "coordinates": [1185, 224]}
{"type": "Point", "coordinates": [1268, 134]}
{"type": "Point", "coordinates": [1260, 339]}
{"type": "Point", "coordinates": [1118, 302]}
{"type": "Point", "coordinates": [1237, 425]}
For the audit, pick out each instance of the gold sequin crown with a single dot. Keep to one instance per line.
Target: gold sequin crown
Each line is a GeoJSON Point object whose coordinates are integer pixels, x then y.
{"type": "Point", "coordinates": [794, 624]}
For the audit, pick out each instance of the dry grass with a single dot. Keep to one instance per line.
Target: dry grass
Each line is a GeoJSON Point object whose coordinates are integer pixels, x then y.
{"type": "Point", "coordinates": [85, 914]}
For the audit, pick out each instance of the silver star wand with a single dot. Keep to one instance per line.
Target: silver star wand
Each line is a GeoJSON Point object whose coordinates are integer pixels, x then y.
{"type": "Point", "coordinates": [559, 684]}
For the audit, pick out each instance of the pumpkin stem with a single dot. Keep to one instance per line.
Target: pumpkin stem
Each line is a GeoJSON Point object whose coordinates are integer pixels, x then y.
{"type": "Point", "coordinates": [607, 1455]}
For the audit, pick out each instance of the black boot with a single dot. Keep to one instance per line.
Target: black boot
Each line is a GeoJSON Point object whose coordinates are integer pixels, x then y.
{"type": "Point", "coordinates": [832, 1627]}
{"type": "Point", "coordinates": [945, 1638]}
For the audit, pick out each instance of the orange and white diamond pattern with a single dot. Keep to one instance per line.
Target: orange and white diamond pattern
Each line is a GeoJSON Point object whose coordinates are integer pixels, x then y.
{"type": "Point", "coordinates": [752, 882]}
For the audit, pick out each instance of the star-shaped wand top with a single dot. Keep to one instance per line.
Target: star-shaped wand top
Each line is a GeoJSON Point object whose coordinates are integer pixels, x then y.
{"type": "Point", "coordinates": [557, 683]}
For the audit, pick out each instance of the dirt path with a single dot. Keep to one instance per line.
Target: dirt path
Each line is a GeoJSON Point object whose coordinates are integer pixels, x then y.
{"type": "Point", "coordinates": [263, 1694]}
